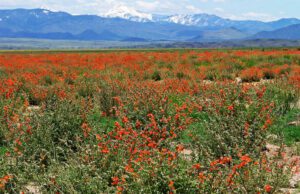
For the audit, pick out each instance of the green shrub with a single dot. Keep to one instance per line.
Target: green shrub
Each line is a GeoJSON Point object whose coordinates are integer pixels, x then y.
{"type": "Point", "coordinates": [105, 97]}
{"type": "Point", "coordinates": [69, 81]}
{"type": "Point", "coordinates": [156, 76]}
{"type": "Point", "coordinates": [180, 75]}
{"type": "Point", "coordinates": [2, 73]}
{"type": "Point", "coordinates": [232, 123]}
{"type": "Point", "coordinates": [86, 91]}
{"type": "Point", "coordinates": [48, 81]}
{"type": "Point", "coordinates": [59, 128]}
{"type": "Point", "coordinates": [268, 74]}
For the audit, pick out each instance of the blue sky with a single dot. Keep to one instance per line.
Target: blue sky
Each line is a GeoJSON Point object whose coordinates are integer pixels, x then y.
{"type": "Point", "coordinates": [265, 10]}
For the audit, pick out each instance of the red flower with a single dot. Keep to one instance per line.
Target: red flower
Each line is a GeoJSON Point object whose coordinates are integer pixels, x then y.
{"type": "Point", "coordinates": [197, 166]}
{"type": "Point", "coordinates": [125, 120]}
{"type": "Point", "coordinates": [138, 124]}
{"type": "Point", "coordinates": [230, 108]}
{"type": "Point", "coordinates": [268, 188]}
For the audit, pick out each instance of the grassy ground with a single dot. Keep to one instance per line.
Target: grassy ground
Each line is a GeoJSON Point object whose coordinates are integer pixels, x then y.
{"type": "Point", "coordinates": [291, 133]}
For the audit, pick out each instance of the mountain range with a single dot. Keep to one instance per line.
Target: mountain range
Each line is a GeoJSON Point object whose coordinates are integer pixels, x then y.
{"type": "Point", "coordinates": [127, 24]}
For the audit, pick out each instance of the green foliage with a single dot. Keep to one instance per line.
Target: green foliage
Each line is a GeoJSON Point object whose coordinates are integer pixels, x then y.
{"type": "Point", "coordinates": [59, 128]}
{"type": "Point", "coordinates": [2, 151]}
{"type": "Point", "coordinates": [69, 81]}
{"type": "Point", "coordinates": [233, 123]}
{"type": "Point", "coordinates": [2, 73]}
{"type": "Point", "coordinates": [156, 76]}
{"type": "Point", "coordinates": [211, 75]}
{"type": "Point", "coordinates": [3, 123]}
{"type": "Point", "coordinates": [180, 75]}
{"type": "Point", "coordinates": [86, 91]}
{"type": "Point", "coordinates": [105, 97]}
{"type": "Point", "coordinates": [48, 80]}
{"type": "Point", "coordinates": [283, 95]}
{"type": "Point", "coordinates": [99, 122]}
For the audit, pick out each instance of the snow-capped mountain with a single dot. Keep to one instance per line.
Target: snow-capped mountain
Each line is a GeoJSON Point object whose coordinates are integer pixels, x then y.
{"type": "Point", "coordinates": [123, 23]}
{"type": "Point", "coordinates": [201, 20]}
{"type": "Point", "coordinates": [129, 14]}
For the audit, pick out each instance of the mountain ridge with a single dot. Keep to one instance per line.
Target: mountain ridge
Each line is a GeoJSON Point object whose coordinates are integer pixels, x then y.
{"type": "Point", "coordinates": [129, 24]}
{"type": "Point", "coordinates": [289, 33]}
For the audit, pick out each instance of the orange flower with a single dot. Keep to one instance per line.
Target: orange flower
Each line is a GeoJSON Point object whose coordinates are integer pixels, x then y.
{"type": "Point", "coordinates": [98, 137]}
{"type": "Point", "coordinates": [246, 158]}
{"type": "Point", "coordinates": [180, 148]}
{"type": "Point", "coordinates": [171, 185]}
{"type": "Point", "coordinates": [201, 177]}
{"type": "Point", "coordinates": [246, 130]}
{"type": "Point", "coordinates": [120, 189]}
{"type": "Point", "coordinates": [197, 166]}
{"type": "Point", "coordinates": [4, 180]}
{"type": "Point", "coordinates": [115, 181]}
{"type": "Point", "coordinates": [86, 129]}
{"type": "Point", "coordinates": [7, 178]}
{"type": "Point", "coordinates": [129, 169]}
{"type": "Point", "coordinates": [105, 150]}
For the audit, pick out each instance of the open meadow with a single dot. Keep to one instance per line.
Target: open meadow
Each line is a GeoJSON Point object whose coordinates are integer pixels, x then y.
{"type": "Point", "coordinates": [150, 121]}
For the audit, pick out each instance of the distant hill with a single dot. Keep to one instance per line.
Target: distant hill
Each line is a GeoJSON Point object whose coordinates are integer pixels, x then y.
{"type": "Point", "coordinates": [202, 20]}
{"type": "Point", "coordinates": [24, 44]}
{"type": "Point", "coordinates": [220, 35]}
{"type": "Point", "coordinates": [126, 24]}
{"type": "Point", "coordinates": [28, 23]}
{"type": "Point", "coordinates": [92, 35]}
{"type": "Point", "coordinates": [288, 33]}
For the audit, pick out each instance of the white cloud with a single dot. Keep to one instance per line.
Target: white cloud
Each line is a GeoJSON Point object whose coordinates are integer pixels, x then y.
{"type": "Point", "coordinates": [258, 16]}
{"type": "Point", "coordinates": [193, 9]}
{"type": "Point", "coordinates": [250, 16]}
{"type": "Point", "coordinates": [216, 1]}
{"type": "Point", "coordinates": [219, 10]}
{"type": "Point", "coordinates": [72, 6]}
{"type": "Point", "coordinates": [165, 6]}
{"type": "Point", "coordinates": [149, 6]}
{"type": "Point", "coordinates": [98, 6]}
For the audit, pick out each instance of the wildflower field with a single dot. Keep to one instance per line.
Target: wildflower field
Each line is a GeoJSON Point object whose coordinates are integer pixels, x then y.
{"type": "Point", "coordinates": [160, 121]}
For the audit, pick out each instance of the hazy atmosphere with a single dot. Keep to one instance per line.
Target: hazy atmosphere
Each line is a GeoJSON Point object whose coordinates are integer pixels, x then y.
{"type": "Point", "coordinates": [265, 10]}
